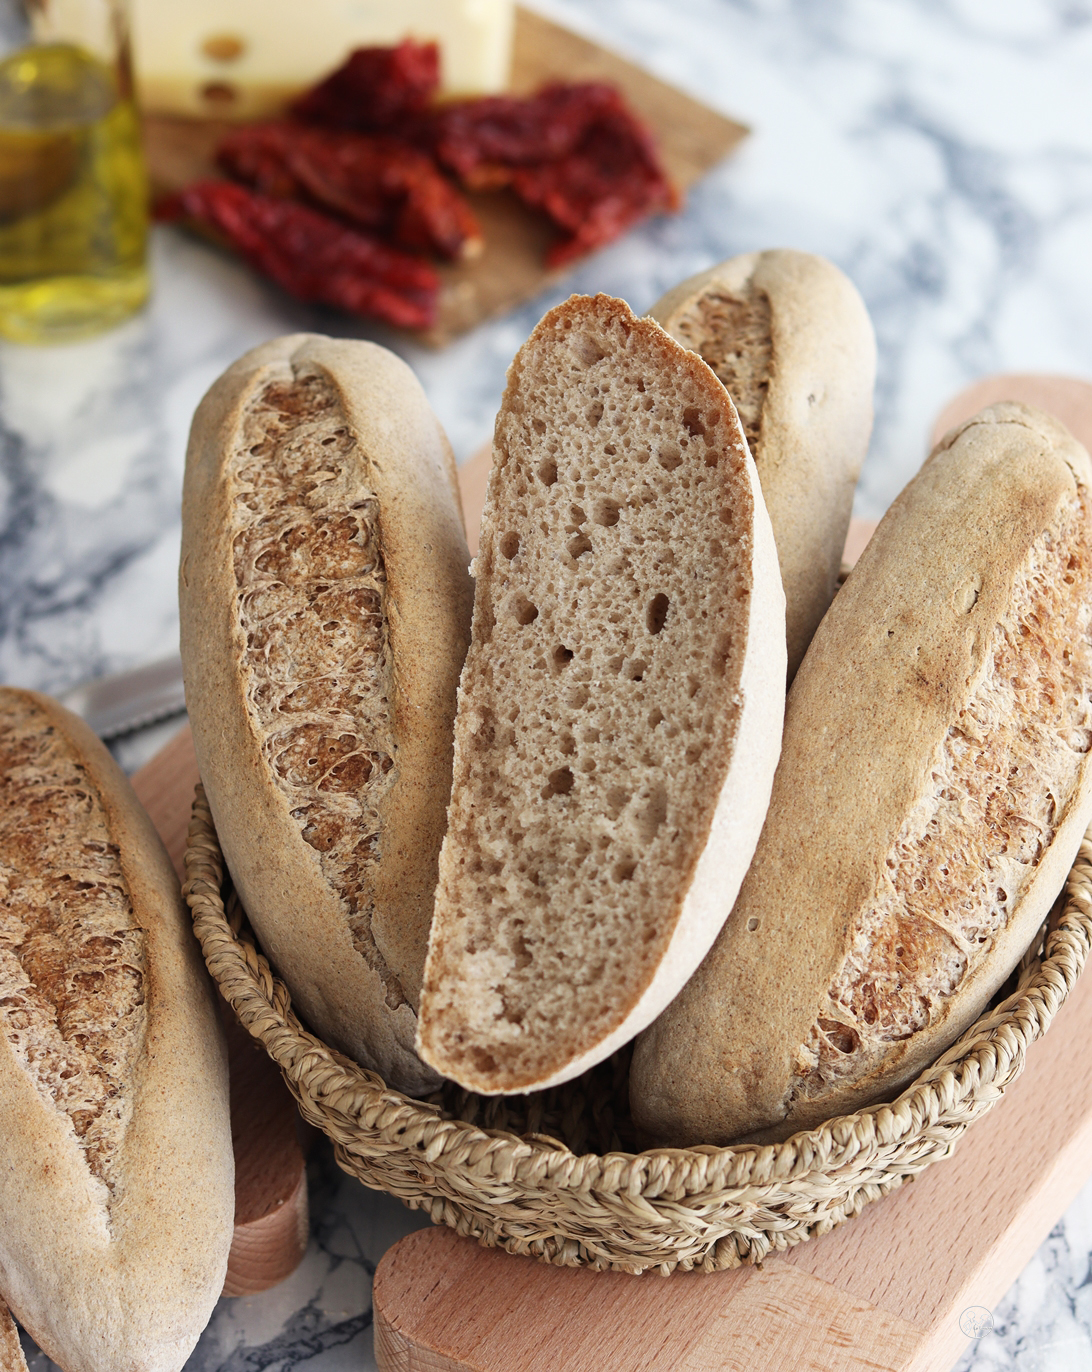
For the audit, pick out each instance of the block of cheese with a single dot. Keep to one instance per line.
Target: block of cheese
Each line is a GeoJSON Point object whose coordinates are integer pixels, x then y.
{"type": "Point", "coordinates": [243, 59]}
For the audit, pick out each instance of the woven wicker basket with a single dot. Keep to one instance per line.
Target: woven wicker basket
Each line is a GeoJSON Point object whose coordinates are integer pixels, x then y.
{"type": "Point", "coordinates": [546, 1175]}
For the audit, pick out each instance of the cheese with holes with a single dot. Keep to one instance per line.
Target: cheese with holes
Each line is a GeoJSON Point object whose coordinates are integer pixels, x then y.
{"type": "Point", "coordinates": [242, 59]}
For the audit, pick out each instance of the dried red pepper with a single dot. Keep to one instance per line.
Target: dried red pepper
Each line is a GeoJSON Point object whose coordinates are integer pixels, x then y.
{"type": "Point", "coordinates": [375, 90]}
{"type": "Point", "coordinates": [312, 256]}
{"type": "Point", "coordinates": [377, 183]}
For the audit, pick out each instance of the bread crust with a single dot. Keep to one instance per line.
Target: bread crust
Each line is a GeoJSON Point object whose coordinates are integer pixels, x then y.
{"type": "Point", "coordinates": [890, 677]}
{"type": "Point", "coordinates": [127, 1284]}
{"type": "Point", "coordinates": [403, 459]}
{"type": "Point", "coordinates": [453, 1035]}
{"type": "Point", "coordinates": [816, 414]}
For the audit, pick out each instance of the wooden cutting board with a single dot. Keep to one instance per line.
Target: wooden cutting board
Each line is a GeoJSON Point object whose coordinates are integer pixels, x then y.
{"type": "Point", "coordinates": [901, 1288]}
{"type": "Point", "coordinates": [692, 139]}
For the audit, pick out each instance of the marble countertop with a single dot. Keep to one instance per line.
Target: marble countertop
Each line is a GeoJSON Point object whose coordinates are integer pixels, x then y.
{"type": "Point", "coordinates": [940, 151]}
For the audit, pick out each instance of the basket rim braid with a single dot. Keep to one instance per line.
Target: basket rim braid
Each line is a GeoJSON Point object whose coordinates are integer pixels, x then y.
{"type": "Point", "coordinates": [707, 1207]}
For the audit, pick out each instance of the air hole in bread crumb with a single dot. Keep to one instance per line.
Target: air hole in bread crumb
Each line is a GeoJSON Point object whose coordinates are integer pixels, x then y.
{"type": "Point", "coordinates": [485, 1062]}
{"type": "Point", "coordinates": [752, 924]}
{"type": "Point", "coordinates": [587, 350]}
{"type": "Point", "coordinates": [547, 471]}
{"type": "Point", "coordinates": [509, 546]}
{"type": "Point", "coordinates": [539, 425]}
{"type": "Point", "coordinates": [623, 871]}
{"type": "Point", "coordinates": [655, 718]}
{"type": "Point", "coordinates": [657, 613]}
{"type": "Point", "coordinates": [579, 545]}
{"type": "Point", "coordinates": [594, 412]}
{"type": "Point", "coordinates": [617, 800]}
{"type": "Point", "coordinates": [606, 513]}
{"type": "Point", "coordinates": [559, 783]}
{"type": "Point", "coordinates": [721, 653]}
{"type": "Point", "coordinates": [562, 656]}
{"type": "Point", "coordinates": [652, 814]}
{"type": "Point", "coordinates": [526, 612]}
{"type": "Point", "coordinates": [636, 669]}
{"type": "Point", "coordinates": [693, 421]}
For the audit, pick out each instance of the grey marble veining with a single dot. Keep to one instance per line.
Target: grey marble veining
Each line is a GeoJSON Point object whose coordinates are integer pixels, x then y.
{"type": "Point", "coordinates": [940, 151]}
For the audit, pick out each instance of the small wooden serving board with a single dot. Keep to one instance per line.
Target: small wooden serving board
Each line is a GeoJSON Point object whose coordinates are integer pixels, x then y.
{"type": "Point", "coordinates": [901, 1288]}
{"type": "Point", "coordinates": [692, 139]}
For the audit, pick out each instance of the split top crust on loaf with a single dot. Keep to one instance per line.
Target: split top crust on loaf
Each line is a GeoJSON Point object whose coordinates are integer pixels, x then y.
{"type": "Point", "coordinates": [620, 708]}
{"type": "Point", "coordinates": [325, 612]}
{"type": "Point", "coordinates": [116, 1168]}
{"type": "Point", "coordinates": [933, 789]}
{"type": "Point", "coordinates": [790, 338]}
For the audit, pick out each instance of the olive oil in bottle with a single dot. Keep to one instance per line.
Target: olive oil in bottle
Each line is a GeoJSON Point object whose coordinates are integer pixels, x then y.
{"type": "Point", "coordinates": [73, 196]}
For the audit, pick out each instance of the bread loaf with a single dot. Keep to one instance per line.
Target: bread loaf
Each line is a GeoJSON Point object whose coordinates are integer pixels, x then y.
{"type": "Point", "coordinates": [933, 789]}
{"type": "Point", "coordinates": [790, 337]}
{"type": "Point", "coordinates": [325, 608]}
{"type": "Point", "coordinates": [116, 1168]}
{"type": "Point", "coordinates": [620, 708]}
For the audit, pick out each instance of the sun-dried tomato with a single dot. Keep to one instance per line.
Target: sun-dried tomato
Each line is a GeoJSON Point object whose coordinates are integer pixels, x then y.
{"type": "Point", "coordinates": [375, 182]}
{"type": "Point", "coordinates": [375, 89]}
{"type": "Point", "coordinates": [576, 152]}
{"type": "Point", "coordinates": [310, 255]}
{"type": "Point", "coordinates": [610, 181]}
{"type": "Point", "coordinates": [482, 140]}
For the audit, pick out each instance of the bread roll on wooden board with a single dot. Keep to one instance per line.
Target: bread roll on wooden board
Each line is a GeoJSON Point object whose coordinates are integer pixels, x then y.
{"type": "Point", "coordinates": [271, 1213]}
{"type": "Point", "coordinates": [789, 336]}
{"type": "Point", "coordinates": [116, 1173]}
{"type": "Point", "coordinates": [619, 711]}
{"type": "Point", "coordinates": [325, 611]}
{"type": "Point", "coordinates": [933, 789]}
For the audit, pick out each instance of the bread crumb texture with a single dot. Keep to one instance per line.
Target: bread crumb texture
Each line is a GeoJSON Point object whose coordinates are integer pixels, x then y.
{"type": "Point", "coordinates": [732, 333]}
{"type": "Point", "coordinates": [312, 604]}
{"type": "Point", "coordinates": [72, 958]}
{"type": "Point", "coordinates": [600, 699]}
{"type": "Point", "coordinates": [1002, 781]}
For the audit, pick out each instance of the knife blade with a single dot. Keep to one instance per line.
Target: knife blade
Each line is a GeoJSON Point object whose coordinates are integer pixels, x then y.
{"type": "Point", "coordinates": [126, 701]}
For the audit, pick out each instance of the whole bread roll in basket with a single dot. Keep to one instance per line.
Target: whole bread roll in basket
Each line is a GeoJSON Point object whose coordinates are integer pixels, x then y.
{"type": "Point", "coordinates": [325, 611]}
{"type": "Point", "coordinates": [934, 786]}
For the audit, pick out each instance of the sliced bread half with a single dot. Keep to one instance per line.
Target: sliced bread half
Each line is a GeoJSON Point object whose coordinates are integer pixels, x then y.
{"type": "Point", "coordinates": [791, 339]}
{"type": "Point", "coordinates": [620, 709]}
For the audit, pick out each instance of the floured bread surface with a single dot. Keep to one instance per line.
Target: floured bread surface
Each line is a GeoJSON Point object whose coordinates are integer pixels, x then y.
{"type": "Point", "coordinates": [601, 701]}
{"type": "Point", "coordinates": [72, 957]}
{"type": "Point", "coordinates": [312, 605]}
{"type": "Point", "coordinates": [936, 776]}
{"type": "Point", "coordinates": [1002, 779]}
